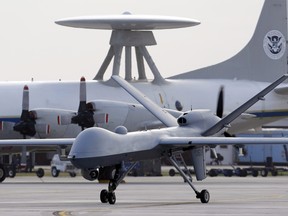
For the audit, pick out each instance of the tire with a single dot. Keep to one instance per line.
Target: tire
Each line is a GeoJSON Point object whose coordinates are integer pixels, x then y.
{"type": "Point", "coordinates": [213, 173]}
{"type": "Point", "coordinates": [255, 173]}
{"type": "Point", "coordinates": [204, 196]}
{"type": "Point", "coordinates": [11, 173]}
{"type": "Point", "coordinates": [72, 174]}
{"type": "Point", "coordinates": [2, 173]}
{"type": "Point", "coordinates": [264, 173]}
{"type": "Point", "coordinates": [40, 173]}
{"type": "Point", "coordinates": [104, 196]}
{"type": "Point", "coordinates": [111, 198]}
{"type": "Point", "coordinates": [54, 172]}
{"type": "Point", "coordinates": [244, 173]}
{"type": "Point", "coordinates": [172, 172]}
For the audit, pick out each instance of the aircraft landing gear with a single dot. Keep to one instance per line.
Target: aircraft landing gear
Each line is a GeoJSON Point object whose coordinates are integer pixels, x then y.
{"type": "Point", "coordinates": [109, 195]}
{"type": "Point", "coordinates": [204, 195]}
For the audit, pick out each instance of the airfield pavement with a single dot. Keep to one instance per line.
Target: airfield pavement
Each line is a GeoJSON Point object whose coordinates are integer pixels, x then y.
{"type": "Point", "coordinates": [29, 195]}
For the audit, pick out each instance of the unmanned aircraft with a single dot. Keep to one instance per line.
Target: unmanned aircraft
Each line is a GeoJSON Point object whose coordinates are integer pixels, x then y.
{"type": "Point", "coordinates": [52, 108]}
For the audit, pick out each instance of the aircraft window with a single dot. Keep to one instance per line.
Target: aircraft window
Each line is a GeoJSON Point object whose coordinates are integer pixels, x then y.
{"type": "Point", "coordinates": [178, 105]}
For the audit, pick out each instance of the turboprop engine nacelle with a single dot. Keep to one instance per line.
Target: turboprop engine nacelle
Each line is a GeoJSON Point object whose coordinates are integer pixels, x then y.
{"type": "Point", "coordinates": [110, 114]}
{"type": "Point", "coordinates": [203, 119]}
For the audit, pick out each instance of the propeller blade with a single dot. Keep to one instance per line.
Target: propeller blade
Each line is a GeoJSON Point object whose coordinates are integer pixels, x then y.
{"type": "Point", "coordinates": [25, 104]}
{"type": "Point", "coordinates": [26, 125]}
{"type": "Point", "coordinates": [82, 93]}
{"type": "Point", "coordinates": [220, 103]}
{"type": "Point", "coordinates": [84, 117]}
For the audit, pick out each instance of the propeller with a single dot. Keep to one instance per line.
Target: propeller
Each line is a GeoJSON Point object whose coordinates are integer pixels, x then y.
{"type": "Point", "coordinates": [219, 113]}
{"type": "Point", "coordinates": [26, 125]}
{"type": "Point", "coordinates": [85, 115]}
{"type": "Point", "coordinates": [220, 103]}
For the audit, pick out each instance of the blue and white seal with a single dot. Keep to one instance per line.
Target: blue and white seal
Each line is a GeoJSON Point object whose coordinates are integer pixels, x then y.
{"type": "Point", "coordinates": [274, 44]}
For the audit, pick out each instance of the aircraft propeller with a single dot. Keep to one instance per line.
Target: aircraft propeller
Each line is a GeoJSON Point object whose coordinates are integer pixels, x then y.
{"type": "Point", "coordinates": [219, 113]}
{"type": "Point", "coordinates": [26, 125]}
{"type": "Point", "coordinates": [85, 115]}
{"type": "Point", "coordinates": [220, 103]}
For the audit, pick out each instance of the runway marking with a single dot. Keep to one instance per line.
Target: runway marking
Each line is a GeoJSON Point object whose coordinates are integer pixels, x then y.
{"type": "Point", "coordinates": [62, 213]}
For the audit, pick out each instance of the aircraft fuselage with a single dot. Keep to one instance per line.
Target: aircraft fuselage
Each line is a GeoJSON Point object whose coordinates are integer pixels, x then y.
{"type": "Point", "coordinates": [191, 94]}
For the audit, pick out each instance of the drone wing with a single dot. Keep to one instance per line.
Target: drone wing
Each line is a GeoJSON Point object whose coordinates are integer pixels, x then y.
{"type": "Point", "coordinates": [37, 142]}
{"type": "Point", "coordinates": [160, 113]}
{"type": "Point", "coordinates": [186, 142]}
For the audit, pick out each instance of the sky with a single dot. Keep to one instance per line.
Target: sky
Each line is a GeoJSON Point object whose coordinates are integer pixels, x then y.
{"type": "Point", "coordinates": [33, 46]}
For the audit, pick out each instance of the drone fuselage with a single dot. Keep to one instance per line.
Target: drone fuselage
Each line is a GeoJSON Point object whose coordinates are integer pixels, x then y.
{"type": "Point", "coordinates": [96, 147]}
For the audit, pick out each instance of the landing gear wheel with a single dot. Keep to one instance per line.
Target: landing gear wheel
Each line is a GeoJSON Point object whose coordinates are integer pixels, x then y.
{"type": "Point", "coordinates": [111, 198]}
{"type": "Point", "coordinates": [204, 196]}
{"type": "Point", "coordinates": [94, 174]}
{"type": "Point", "coordinates": [104, 196]}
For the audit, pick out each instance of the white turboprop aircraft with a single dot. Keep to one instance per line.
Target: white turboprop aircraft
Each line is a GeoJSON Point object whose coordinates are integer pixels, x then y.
{"type": "Point", "coordinates": [96, 147]}
{"type": "Point", "coordinates": [53, 103]}
{"type": "Point", "coordinates": [52, 107]}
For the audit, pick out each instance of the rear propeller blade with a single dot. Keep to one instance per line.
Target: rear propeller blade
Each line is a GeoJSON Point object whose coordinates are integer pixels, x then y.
{"type": "Point", "coordinates": [84, 117]}
{"type": "Point", "coordinates": [220, 103]}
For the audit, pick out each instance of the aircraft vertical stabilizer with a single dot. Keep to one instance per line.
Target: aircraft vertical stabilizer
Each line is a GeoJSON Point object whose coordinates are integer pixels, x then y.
{"type": "Point", "coordinates": [264, 58]}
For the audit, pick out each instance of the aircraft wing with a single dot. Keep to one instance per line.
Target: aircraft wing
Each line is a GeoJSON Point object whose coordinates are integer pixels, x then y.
{"type": "Point", "coordinates": [37, 142]}
{"type": "Point", "coordinates": [186, 142]}
{"type": "Point", "coordinates": [160, 113]}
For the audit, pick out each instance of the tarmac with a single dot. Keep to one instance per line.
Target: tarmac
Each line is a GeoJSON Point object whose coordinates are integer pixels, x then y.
{"type": "Point", "coordinates": [29, 195]}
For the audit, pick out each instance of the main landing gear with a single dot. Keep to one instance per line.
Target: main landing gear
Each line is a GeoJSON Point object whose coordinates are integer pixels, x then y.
{"type": "Point", "coordinates": [109, 195]}
{"type": "Point", "coordinates": [204, 195]}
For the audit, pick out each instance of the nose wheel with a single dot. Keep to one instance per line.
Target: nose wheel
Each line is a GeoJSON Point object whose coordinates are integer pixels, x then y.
{"type": "Point", "coordinates": [109, 195]}
{"type": "Point", "coordinates": [106, 197]}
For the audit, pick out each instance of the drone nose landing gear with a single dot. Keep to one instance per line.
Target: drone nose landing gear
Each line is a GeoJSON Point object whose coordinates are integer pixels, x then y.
{"type": "Point", "coordinates": [204, 195]}
{"type": "Point", "coordinates": [109, 195]}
